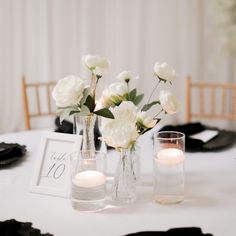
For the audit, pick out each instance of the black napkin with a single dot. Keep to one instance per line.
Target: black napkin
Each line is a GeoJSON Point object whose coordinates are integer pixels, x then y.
{"type": "Point", "coordinates": [223, 140]}
{"type": "Point", "coordinates": [190, 231]}
{"type": "Point", "coordinates": [11, 152]}
{"type": "Point", "coordinates": [63, 127]}
{"type": "Point", "coordinates": [16, 228]}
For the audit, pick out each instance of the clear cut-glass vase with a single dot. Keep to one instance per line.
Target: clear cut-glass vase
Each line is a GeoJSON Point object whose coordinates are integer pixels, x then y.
{"type": "Point", "coordinates": [124, 187]}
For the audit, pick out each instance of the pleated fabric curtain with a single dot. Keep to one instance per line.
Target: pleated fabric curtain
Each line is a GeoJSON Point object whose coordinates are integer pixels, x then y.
{"type": "Point", "coordinates": [45, 40]}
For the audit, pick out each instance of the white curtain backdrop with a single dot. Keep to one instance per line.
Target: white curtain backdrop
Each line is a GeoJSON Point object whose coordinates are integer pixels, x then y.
{"type": "Point", "coordinates": [46, 39]}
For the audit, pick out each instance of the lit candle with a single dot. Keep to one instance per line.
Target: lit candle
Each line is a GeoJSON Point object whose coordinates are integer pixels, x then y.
{"type": "Point", "coordinates": [89, 179]}
{"type": "Point", "coordinates": [170, 156]}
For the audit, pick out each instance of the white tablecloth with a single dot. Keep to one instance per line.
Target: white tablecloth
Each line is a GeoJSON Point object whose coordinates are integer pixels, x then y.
{"type": "Point", "coordinates": [210, 201]}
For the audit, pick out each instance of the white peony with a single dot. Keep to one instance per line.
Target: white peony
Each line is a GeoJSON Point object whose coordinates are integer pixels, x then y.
{"type": "Point", "coordinates": [114, 94]}
{"type": "Point", "coordinates": [121, 132]}
{"type": "Point", "coordinates": [168, 102]}
{"type": "Point", "coordinates": [68, 91]}
{"type": "Point", "coordinates": [164, 71]}
{"type": "Point", "coordinates": [97, 64]}
{"type": "Point", "coordinates": [145, 120]}
{"type": "Point", "coordinates": [126, 111]}
{"type": "Point", "coordinates": [126, 76]}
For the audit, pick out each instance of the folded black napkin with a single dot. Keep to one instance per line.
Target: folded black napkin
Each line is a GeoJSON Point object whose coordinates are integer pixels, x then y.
{"type": "Point", "coordinates": [16, 228]}
{"type": "Point", "coordinates": [11, 152]}
{"type": "Point", "coordinates": [223, 140]}
{"type": "Point", "coordinates": [190, 231]}
{"type": "Point", "coordinates": [64, 126]}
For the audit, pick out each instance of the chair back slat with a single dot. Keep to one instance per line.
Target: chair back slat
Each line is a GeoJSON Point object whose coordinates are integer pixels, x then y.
{"type": "Point", "coordinates": [37, 99]}
{"type": "Point", "coordinates": [49, 99]}
{"type": "Point", "coordinates": [201, 99]}
{"type": "Point", "coordinates": [223, 99]}
{"type": "Point", "coordinates": [213, 91]}
{"type": "Point", "coordinates": [25, 104]}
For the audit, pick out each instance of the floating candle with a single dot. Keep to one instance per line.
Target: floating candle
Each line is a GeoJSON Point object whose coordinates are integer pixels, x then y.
{"type": "Point", "coordinates": [89, 179]}
{"type": "Point", "coordinates": [170, 156]}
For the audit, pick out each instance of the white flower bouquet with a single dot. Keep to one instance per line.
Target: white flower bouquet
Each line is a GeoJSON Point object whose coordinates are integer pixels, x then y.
{"type": "Point", "coordinates": [119, 103]}
{"type": "Point", "coordinates": [130, 121]}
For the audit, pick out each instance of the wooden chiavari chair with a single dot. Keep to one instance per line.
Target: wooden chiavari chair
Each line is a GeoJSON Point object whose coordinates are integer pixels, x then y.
{"type": "Point", "coordinates": [210, 100]}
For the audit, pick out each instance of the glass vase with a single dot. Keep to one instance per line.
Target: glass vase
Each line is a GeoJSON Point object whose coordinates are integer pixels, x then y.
{"type": "Point", "coordinates": [84, 125]}
{"type": "Point", "coordinates": [88, 181]}
{"type": "Point", "coordinates": [88, 127]}
{"type": "Point", "coordinates": [124, 187]}
{"type": "Point", "coordinates": [88, 123]}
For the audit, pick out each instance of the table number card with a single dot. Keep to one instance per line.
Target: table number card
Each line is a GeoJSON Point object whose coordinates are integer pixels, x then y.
{"type": "Point", "coordinates": [52, 169]}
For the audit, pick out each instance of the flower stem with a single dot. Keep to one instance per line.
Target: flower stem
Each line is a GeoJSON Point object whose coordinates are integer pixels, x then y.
{"type": "Point", "coordinates": [158, 113]}
{"type": "Point", "coordinates": [153, 91]}
{"type": "Point", "coordinates": [93, 85]}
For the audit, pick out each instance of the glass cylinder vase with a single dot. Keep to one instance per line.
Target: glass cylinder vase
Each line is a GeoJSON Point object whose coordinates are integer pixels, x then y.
{"type": "Point", "coordinates": [124, 187]}
{"type": "Point", "coordinates": [168, 163]}
{"type": "Point", "coordinates": [88, 181]}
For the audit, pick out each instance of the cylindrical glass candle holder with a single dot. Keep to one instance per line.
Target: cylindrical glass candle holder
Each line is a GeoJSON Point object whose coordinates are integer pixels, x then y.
{"type": "Point", "coordinates": [168, 163]}
{"type": "Point", "coordinates": [88, 181]}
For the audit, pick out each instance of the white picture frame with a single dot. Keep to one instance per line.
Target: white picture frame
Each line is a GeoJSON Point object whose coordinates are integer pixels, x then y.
{"type": "Point", "coordinates": [52, 167]}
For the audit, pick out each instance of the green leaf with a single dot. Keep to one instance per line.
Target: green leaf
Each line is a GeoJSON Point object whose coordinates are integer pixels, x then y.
{"type": "Point", "coordinates": [146, 107]}
{"type": "Point", "coordinates": [132, 94]}
{"type": "Point", "coordinates": [138, 99]}
{"type": "Point", "coordinates": [89, 103]}
{"type": "Point", "coordinates": [105, 112]}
